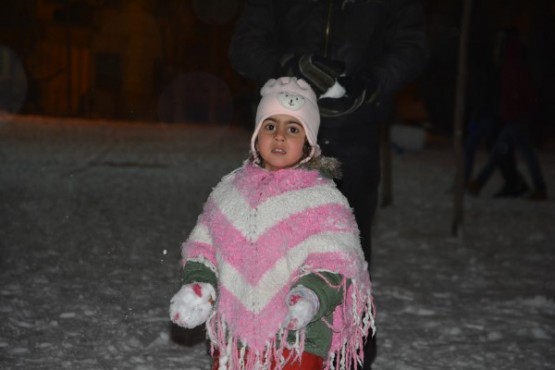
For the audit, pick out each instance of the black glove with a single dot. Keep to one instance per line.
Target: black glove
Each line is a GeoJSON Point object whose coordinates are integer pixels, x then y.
{"type": "Point", "coordinates": [319, 72]}
{"type": "Point", "coordinates": [358, 91]}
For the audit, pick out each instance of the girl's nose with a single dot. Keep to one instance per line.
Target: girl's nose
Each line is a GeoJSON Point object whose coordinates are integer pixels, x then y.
{"type": "Point", "coordinates": [279, 135]}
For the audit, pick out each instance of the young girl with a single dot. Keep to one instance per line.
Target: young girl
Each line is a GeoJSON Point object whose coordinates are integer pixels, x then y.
{"type": "Point", "coordinates": [274, 265]}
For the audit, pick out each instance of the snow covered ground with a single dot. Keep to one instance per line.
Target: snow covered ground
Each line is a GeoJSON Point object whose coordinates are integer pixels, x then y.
{"type": "Point", "coordinates": [93, 215]}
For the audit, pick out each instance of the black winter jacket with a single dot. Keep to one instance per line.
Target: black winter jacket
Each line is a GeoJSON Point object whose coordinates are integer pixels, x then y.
{"type": "Point", "coordinates": [383, 39]}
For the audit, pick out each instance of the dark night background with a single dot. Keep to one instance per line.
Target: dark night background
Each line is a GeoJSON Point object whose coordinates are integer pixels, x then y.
{"type": "Point", "coordinates": [154, 60]}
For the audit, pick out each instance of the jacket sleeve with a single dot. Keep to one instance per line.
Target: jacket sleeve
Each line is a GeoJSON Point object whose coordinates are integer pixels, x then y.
{"type": "Point", "coordinates": [253, 52]}
{"type": "Point", "coordinates": [405, 46]}
{"type": "Point", "coordinates": [329, 292]}
{"type": "Point", "coordinates": [198, 255]}
{"type": "Point", "coordinates": [198, 272]}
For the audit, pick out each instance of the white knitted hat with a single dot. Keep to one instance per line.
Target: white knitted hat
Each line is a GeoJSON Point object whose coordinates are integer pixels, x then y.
{"type": "Point", "coordinates": [292, 96]}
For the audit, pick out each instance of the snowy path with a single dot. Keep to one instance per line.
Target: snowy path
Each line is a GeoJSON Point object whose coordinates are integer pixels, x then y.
{"type": "Point", "coordinates": [93, 216]}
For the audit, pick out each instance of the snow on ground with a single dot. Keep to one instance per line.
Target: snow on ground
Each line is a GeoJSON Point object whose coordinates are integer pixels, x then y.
{"type": "Point", "coordinates": [93, 215]}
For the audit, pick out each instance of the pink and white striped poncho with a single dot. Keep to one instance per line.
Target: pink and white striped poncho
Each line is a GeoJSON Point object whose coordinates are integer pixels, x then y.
{"type": "Point", "coordinates": [259, 232]}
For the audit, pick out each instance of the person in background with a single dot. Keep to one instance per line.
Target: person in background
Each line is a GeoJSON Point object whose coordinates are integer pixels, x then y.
{"type": "Point", "coordinates": [355, 55]}
{"type": "Point", "coordinates": [484, 122]}
{"type": "Point", "coordinates": [274, 265]}
{"type": "Point", "coordinates": [517, 104]}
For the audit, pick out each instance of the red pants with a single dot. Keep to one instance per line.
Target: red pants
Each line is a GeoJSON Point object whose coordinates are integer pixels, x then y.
{"type": "Point", "coordinates": [308, 361]}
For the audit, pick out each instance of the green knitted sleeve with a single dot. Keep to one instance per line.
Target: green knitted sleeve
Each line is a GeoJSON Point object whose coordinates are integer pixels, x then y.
{"type": "Point", "coordinates": [197, 272]}
{"type": "Point", "coordinates": [329, 293]}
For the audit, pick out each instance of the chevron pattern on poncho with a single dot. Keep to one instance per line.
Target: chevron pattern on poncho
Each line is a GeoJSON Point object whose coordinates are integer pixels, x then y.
{"type": "Point", "coordinates": [262, 230]}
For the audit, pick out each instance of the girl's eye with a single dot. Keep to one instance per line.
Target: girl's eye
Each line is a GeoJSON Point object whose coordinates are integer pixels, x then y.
{"type": "Point", "coordinates": [269, 126]}
{"type": "Point", "coordinates": [294, 130]}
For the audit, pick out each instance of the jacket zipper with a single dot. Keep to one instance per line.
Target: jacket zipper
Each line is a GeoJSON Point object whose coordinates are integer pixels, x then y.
{"type": "Point", "coordinates": [328, 27]}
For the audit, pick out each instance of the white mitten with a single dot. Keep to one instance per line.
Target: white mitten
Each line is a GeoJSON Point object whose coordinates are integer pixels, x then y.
{"type": "Point", "coordinates": [303, 304]}
{"type": "Point", "coordinates": [192, 304]}
{"type": "Point", "coordinates": [335, 92]}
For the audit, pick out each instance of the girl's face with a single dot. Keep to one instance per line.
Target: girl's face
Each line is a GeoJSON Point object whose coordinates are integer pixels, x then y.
{"type": "Point", "coordinates": [280, 141]}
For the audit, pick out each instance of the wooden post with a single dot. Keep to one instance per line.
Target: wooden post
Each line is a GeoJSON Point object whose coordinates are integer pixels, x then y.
{"type": "Point", "coordinates": [68, 58]}
{"type": "Point", "coordinates": [458, 188]}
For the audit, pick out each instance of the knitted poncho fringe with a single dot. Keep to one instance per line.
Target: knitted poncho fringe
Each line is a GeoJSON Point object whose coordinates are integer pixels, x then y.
{"type": "Point", "coordinates": [261, 231]}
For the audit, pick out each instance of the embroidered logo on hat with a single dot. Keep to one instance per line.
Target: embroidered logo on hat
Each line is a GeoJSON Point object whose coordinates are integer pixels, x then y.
{"type": "Point", "coordinates": [290, 101]}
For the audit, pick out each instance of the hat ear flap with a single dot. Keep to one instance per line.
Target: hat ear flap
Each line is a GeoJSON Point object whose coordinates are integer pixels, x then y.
{"type": "Point", "coordinates": [307, 148]}
{"type": "Point", "coordinates": [254, 154]}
